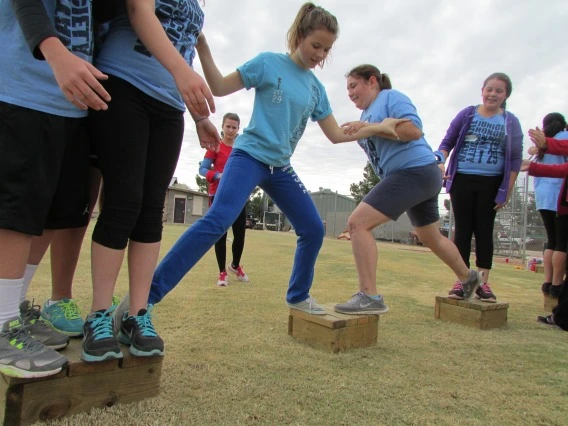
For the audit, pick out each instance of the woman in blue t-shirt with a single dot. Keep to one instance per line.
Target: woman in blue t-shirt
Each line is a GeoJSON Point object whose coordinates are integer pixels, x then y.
{"type": "Point", "coordinates": [410, 182]}
{"type": "Point", "coordinates": [487, 144]}
{"type": "Point", "coordinates": [287, 95]}
{"type": "Point", "coordinates": [546, 192]}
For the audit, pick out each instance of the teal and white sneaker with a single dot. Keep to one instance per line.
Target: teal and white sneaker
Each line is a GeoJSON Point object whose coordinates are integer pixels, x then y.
{"type": "Point", "coordinates": [99, 339]}
{"type": "Point", "coordinates": [309, 306]}
{"type": "Point", "coordinates": [38, 329]}
{"type": "Point", "coordinates": [64, 316]}
{"type": "Point", "coordinates": [138, 332]}
{"type": "Point", "coordinates": [23, 356]}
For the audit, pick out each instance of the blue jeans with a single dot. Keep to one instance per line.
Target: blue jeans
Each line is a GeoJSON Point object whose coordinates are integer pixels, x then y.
{"type": "Point", "coordinates": [241, 175]}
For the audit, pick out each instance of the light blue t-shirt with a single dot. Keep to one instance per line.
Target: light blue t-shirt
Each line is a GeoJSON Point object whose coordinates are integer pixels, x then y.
{"type": "Point", "coordinates": [483, 152]}
{"type": "Point", "coordinates": [286, 96]}
{"type": "Point", "coordinates": [30, 83]}
{"type": "Point", "coordinates": [546, 190]}
{"type": "Point", "coordinates": [123, 55]}
{"type": "Point", "coordinates": [388, 156]}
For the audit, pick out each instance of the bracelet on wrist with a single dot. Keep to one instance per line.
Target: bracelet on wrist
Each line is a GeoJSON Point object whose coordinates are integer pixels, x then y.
{"type": "Point", "coordinates": [200, 119]}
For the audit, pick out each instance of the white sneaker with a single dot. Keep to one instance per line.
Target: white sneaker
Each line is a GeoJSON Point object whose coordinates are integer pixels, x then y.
{"type": "Point", "coordinates": [309, 306]}
{"type": "Point", "coordinates": [223, 281]}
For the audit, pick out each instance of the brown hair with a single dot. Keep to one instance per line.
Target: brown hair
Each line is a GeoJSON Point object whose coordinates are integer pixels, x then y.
{"type": "Point", "coordinates": [310, 18]}
{"type": "Point", "coordinates": [231, 116]}
{"type": "Point", "coordinates": [505, 79]}
{"type": "Point", "coordinates": [367, 71]}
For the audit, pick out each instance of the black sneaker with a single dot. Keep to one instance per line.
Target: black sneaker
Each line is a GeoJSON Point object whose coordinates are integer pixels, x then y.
{"type": "Point", "coordinates": [485, 294]}
{"type": "Point", "coordinates": [545, 287]}
{"type": "Point", "coordinates": [456, 292]}
{"type": "Point", "coordinates": [138, 332]}
{"type": "Point", "coordinates": [554, 290]}
{"type": "Point", "coordinates": [99, 341]}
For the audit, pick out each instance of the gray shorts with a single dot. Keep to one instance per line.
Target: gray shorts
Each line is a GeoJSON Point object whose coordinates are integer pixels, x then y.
{"type": "Point", "coordinates": [414, 191]}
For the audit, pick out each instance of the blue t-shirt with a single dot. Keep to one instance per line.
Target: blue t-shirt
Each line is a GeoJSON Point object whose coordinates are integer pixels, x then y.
{"type": "Point", "coordinates": [30, 83]}
{"type": "Point", "coordinates": [123, 54]}
{"type": "Point", "coordinates": [388, 156]}
{"type": "Point", "coordinates": [483, 152]}
{"type": "Point", "coordinates": [546, 189]}
{"type": "Point", "coordinates": [286, 96]}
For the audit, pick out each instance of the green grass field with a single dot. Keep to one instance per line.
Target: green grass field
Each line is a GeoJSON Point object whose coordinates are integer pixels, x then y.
{"type": "Point", "coordinates": [229, 359]}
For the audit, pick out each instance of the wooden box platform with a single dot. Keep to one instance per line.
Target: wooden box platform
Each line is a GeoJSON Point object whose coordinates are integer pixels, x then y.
{"type": "Point", "coordinates": [549, 302]}
{"type": "Point", "coordinates": [79, 388]}
{"type": "Point", "coordinates": [473, 313]}
{"type": "Point", "coordinates": [333, 332]}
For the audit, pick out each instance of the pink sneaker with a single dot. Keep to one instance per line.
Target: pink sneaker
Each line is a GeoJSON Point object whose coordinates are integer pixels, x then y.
{"type": "Point", "coordinates": [456, 292]}
{"type": "Point", "coordinates": [238, 271]}
{"type": "Point", "coordinates": [223, 280]}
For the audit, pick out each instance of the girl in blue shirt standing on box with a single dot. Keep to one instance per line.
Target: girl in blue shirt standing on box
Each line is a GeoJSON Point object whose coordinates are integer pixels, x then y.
{"type": "Point", "coordinates": [410, 182]}
{"type": "Point", "coordinates": [287, 95]}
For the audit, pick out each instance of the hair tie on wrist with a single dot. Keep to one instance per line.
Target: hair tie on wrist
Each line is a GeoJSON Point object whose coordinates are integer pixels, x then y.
{"type": "Point", "coordinates": [200, 119]}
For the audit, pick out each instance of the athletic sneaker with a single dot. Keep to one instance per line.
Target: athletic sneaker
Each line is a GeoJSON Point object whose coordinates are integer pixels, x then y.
{"type": "Point", "coordinates": [360, 303]}
{"type": "Point", "coordinates": [554, 290]}
{"type": "Point", "coordinates": [23, 356]}
{"type": "Point", "coordinates": [545, 287]}
{"type": "Point", "coordinates": [138, 332]}
{"type": "Point", "coordinates": [223, 281]}
{"type": "Point", "coordinates": [456, 292]}
{"type": "Point", "coordinates": [64, 316]}
{"type": "Point", "coordinates": [99, 339]}
{"type": "Point", "coordinates": [548, 320]}
{"type": "Point", "coordinates": [471, 285]}
{"type": "Point", "coordinates": [38, 329]}
{"type": "Point", "coordinates": [309, 306]}
{"type": "Point", "coordinates": [238, 271]}
{"type": "Point", "coordinates": [485, 294]}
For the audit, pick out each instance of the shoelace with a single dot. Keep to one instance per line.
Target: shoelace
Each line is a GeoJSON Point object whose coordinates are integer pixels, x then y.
{"type": "Point", "coordinates": [102, 324]}
{"type": "Point", "coordinates": [32, 313]}
{"type": "Point", "coordinates": [145, 324]}
{"type": "Point", "coordinates": [20, 339]}
{"type": "Point", "coordinates": [240, 271]}
{"type": "Point", "coordinates": [485, 288]}
{"type": "Point", "coordinates": [457, 286]}
{"type": "Point", "coordinates": [70, 310]}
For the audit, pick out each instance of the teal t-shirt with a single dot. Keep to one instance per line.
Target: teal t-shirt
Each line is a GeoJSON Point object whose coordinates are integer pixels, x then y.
{"type": "Point", "coordinates": [386, 155]}
{"type": "Point", "coordinates": [483, 152]}
{"type": "Point", "coordinates": [286, 96]}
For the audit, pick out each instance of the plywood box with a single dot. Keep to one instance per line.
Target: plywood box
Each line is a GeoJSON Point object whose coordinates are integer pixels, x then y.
{"type": "Point", "coordinates": [79, 388]}
{"type": "Point", "coordinates": [333, 332]}
{"type": "Point", "coordinates": [472, 313]}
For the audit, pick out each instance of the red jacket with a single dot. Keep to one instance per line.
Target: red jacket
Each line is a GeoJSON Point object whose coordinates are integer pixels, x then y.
{"type": "Point", "coordinates": [557, 147]}
{"type": "Point", "coordinates": [219, 160]}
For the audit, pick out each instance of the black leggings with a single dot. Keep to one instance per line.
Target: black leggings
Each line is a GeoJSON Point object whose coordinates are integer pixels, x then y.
{"type": "Point", "coordinates": [473, 202]}
{"type": "Point", "coordinates": [239, 228]}
{"type": "Point", "coordinates": [561, 310]}
{"type": "Point", "coordinates": [138, 141]}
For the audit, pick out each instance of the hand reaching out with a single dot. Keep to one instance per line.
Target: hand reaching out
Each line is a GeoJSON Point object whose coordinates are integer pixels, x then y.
{"type": "Point", "coordinates": [195, 92]}
{"type": "Point", "coordinates": [525, 164]}
{"type": "Point", "coordinates": [538, 138]}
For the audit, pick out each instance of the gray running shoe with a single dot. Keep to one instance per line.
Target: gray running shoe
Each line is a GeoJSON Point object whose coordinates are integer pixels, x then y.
{"type": "Point", "coordinates": [360, 303]}
{"type": "Point", "coordinates": [38, 329]}
{"type": "Point", "coordinates": [119, 312]}
{"type": "Point", "coordinates": [471, 284]}
{"type": "Point", "coordinates": [309, 306]}
{"type": "Point", "coordinates": [23, 356]}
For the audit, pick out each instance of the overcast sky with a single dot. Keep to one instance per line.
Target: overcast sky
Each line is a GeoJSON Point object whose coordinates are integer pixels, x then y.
{"type": "Point", "coordinates": [438, 52]}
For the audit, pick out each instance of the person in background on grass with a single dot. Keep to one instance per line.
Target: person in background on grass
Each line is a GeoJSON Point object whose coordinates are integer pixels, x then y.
{"type": "Point", "coordinates": [410, 181]}
{"type": "Point", "coordinates": [212, 168]}
{"type": "Point", "coordinates": [35, 191]}
{"type": "Point", "coordinates": [138, 141]}
{"type": "Point", "coordinates": [487, 145]}
{"type": "Point", "coordinates": [547, 191]}
{"type": "Point", "coordinates": [547, 145]}
{"type": "Point", "coordinates": [287, 95]}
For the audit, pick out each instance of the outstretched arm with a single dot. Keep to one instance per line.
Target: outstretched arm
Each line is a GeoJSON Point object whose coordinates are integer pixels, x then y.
{"type": "Point", "coordinates": [192, 87]}
{"type": "Point", "coordinates": [353, 131]}
{"type": "Point", "coordinates": [220, 85]}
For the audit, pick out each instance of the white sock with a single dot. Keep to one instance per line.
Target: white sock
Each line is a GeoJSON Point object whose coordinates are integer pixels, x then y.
{"type": "Point", "coordinates": [28, 275]}
{"type": "Point", "coordinates": [9, 299]}
{"type": "Point", "coordinates": [50, 302]}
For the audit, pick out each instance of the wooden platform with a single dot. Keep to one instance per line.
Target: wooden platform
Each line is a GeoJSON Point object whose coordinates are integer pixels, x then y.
{"type": "Point", "coordinates": [333, 332]}
{"type": "Point", "coordinates": [472, 313]}
{"type": "Point", "coordinates": [549, 302]}
{"type": "Point", "coordinates": [79, 388]}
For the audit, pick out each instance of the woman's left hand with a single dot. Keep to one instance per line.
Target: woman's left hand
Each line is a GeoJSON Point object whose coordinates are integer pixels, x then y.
{"type": "Point", "coordinates": [208, 136]}
{"type": "Point", "coordinates": [353, 126]}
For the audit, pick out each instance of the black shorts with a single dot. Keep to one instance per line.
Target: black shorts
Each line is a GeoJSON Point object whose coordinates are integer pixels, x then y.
{"type": "Point", "coordinates": [44, 170]}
